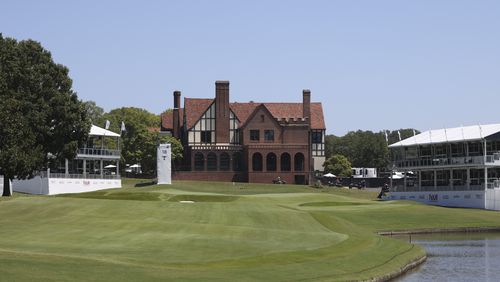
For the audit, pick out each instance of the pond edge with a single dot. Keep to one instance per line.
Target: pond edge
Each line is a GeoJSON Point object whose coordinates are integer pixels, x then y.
{"type": "Point", "coordinates": [418, 261]}
{"type": "Point", "coordinates": [440, 230]}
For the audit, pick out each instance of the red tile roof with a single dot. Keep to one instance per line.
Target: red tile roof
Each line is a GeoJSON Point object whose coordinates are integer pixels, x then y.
{"type": "Point", "coordinates": [243, 110]}
{"type": "Point", "coordinates": [196, 107]}
{"type": "Point", "coordinates": [295, 110]}
{"type": "Point", "coordinates": [167, 119]}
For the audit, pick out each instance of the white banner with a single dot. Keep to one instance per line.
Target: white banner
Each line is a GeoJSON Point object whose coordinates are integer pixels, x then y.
{"type": "Point", "coordinates": [164, 166]}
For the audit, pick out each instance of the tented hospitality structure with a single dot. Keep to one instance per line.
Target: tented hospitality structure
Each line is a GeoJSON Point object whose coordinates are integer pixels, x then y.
{"type": "Point", "coordinates": [458, 167]}
{"type": "Point", "coordinates": [95, 167]}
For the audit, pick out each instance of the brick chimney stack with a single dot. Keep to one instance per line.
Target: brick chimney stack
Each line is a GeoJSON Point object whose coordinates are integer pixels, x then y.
{"type": "Point", "coordinates": [306, 104]}
{"type": "Point", "coordinates": [222, 112]}
{"type": "Point", "coordinates": [176, 115]}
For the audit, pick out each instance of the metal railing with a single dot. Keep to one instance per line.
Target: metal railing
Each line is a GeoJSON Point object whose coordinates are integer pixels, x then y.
{"type": "Point", "coordinates": [401, 188]}
{"type": "Point", "coordinates": [217, 147]}
{"type": "Point", "coordinates": [442, 162]}
{"type": "Point", "coordinates": [44, 174]}
{"type": "Point", "coordinates": [98, 152]}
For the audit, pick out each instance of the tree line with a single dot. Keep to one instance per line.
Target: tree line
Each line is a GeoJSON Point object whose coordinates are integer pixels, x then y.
{"type": "Point", "coordinates": [361, 149]}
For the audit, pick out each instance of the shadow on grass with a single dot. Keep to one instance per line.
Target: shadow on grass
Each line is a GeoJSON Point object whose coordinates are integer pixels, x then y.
{"type": "Point", "coordinates": [144, 184]}
{"type": "Point", "coordinates": [105, 195]}
{"type": "Point", "coordinates": [203, 198]}
{"type": "Point", "coordinates": [332, 204]}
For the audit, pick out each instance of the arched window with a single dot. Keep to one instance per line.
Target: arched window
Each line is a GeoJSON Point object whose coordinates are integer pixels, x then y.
{"type": "Point", "coordinates": [257, 162]}
{"type": "Point", "coordinates": [237, 163]}
{"type": "Point", "coordinates": [211, 161]}
{"type": "Point", "coordinates": [299, 162]}
{"type": "Point", "coordinates": [199, 162]}
{"type": "Point", "coordinates": [225, 161]}
{"type": "Point", "coordinates": [286, 161]}
{"type": "Point", "coordinates": [271, 162]}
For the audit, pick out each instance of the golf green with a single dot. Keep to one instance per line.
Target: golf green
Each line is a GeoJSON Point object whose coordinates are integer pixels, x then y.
{"type": "Point", "coordinates": [213, 231]}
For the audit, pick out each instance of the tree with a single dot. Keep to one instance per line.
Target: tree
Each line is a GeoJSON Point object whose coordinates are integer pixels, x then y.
{"type": "Point", "coordinates": [330, 142]}
{"type": "Point", "coordinates": [338, 165]}
{"type": "Point", "coordinates": [393, 136]}
{"type": "Point", "coordinates": [362, 148]}
{"type": "Point", "coordinates": [39, 112]}
{"type": "Point", "coordinates": [141, 137]}
{"type": "Point", "coordinates": [365, 148]}
{"type": "Point", "coordinates": [150, 141]}
{"type": "Point", "coordinates": [94, 112]}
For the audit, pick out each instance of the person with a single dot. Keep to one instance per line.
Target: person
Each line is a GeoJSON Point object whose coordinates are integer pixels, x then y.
{"type": "Point", "coordinates": [384, 190]}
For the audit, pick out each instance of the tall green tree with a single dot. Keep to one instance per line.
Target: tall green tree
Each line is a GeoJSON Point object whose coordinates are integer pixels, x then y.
{"type": "Point", "coordinates": [39, 112]}
{"type": "Point", "coordinates": [94, 112]}
{"type": "Point", "coordinates": [338, 165]}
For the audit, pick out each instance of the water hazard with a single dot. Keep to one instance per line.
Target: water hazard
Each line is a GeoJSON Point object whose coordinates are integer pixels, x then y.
{"type": "Point", "coordinates": [457, 257]}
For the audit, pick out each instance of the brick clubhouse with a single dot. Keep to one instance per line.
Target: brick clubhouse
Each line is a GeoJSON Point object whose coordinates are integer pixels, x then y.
{"type": "Point", "coordinates": [247, 142]}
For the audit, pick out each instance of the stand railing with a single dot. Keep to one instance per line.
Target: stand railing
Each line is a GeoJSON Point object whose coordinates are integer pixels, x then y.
{"type": "Point", "coordinates": [98, 152]}
{"type": "Point", "coordinates": [442, 162]}
{"type": "Point", "coordinates": [44, 174]}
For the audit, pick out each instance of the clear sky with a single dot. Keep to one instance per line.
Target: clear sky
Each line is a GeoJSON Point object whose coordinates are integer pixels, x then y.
{"type": "Point", "coordinates": [373, 64]}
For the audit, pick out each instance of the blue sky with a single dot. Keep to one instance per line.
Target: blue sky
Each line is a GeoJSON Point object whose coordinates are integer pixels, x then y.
{"type": "Point", "coordinates": [374, 64]}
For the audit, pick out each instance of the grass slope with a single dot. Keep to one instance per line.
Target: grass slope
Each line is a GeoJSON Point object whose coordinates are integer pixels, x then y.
{"type": "Point", "coordinates": [232, 232]}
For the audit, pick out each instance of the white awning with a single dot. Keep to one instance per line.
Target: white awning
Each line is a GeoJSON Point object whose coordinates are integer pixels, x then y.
{"type": "Point", "coordinates": [457, 134]}
{"type": "Point", "coordinates": [99, 131]}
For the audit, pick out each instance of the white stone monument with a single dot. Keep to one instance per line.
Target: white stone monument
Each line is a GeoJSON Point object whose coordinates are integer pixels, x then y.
{"type": "Point", "coordinates": [163, 164]}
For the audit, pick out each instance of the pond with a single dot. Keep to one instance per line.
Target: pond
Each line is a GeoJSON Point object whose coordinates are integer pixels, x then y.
{"type": "Point", "coordinates": [457, 257]}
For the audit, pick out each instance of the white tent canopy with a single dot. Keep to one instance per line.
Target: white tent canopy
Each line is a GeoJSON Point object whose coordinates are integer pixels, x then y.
{"type": "Point", "coordinates": [110, 166]}
{"type": "Point", "coordinates": [329, 175]}
{"type": "Point", "coordinates": [457, 134]}
{"type": "Point", "coordinates": [98, 131]}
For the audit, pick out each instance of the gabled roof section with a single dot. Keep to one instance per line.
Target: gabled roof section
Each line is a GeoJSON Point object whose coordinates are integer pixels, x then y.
{"type": "Point", "coordinates": [281, 110]}
{"type": "Point", "coordinates": [288, 110]}
{"type": "Point", "coordinates": [256, 109]}
{"type": "Point", "coordinates": [195, 108]}
{"type": "Point", "coordinates": [243, 110]}
{"type": "Point", "coordinates": [167, 119]}
{"type": "Point", "coordinates": [457, 134]}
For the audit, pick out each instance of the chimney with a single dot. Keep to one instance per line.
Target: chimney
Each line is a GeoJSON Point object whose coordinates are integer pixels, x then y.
{"type": "Point", "coordinates": [222, 112]}
{"type": "Point", "coordinates": [306, 105]}
{"type": "Point", "coordinates": [176, 115]}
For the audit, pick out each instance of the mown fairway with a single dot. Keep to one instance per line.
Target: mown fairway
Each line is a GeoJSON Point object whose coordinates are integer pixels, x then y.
{"type": "Point", "coordinates": [231, 232]}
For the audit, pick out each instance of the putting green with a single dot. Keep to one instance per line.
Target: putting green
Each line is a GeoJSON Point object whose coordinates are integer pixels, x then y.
{"type": "Point", "coordinates": [226, 232]}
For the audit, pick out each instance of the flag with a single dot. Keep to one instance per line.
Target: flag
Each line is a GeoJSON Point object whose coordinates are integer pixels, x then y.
{"type": "Point", "coordinates": [107, 124]}
{"type": "Point", "coordinates": [123, 127]}
{"type": "Point", "coordinates": [414, 132]}
{"type": "Point", "coordinates": [399, 135]}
